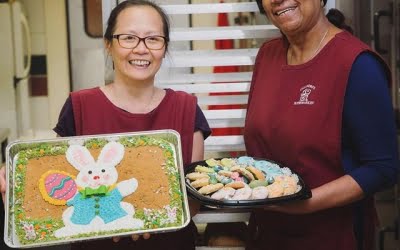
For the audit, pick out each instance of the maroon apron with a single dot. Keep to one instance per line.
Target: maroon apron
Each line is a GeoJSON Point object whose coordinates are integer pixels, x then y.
{"type": "Point", "coordinates": [95, 114]}
{"type": "Point", "coordinates": [294, 117]}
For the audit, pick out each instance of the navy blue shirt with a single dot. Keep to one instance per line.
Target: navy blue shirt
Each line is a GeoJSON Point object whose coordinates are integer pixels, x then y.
{"type": "Point", "coordinates": [369, 138]}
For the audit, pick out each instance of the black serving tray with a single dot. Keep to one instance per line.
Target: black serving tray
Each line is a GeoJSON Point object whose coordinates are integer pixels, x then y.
{"type": "Point", "coordinates": [303, 194]}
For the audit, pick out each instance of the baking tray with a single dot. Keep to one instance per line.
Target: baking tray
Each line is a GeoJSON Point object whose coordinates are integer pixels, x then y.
{"type": "Point", "coordinates": [302, 194]}
{"type": "Point", "coordinates": [28, 225]}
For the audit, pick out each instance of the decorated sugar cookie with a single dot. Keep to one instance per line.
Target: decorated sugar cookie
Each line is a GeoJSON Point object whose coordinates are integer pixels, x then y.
{"type": "Point", "coordinates": [57, 187]}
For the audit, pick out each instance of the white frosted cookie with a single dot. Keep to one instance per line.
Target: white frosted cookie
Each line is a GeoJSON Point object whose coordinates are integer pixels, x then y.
{"type": "Point", "coordinates": [242, 194]}
{"type": "Point", "coordinates": [224, 193]}
{"type": "Point", "coordinates": [260, 192]}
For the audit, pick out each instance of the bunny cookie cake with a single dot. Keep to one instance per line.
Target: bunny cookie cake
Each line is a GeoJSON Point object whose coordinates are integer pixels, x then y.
{"type": "Point", "coordinates": [96, 187]}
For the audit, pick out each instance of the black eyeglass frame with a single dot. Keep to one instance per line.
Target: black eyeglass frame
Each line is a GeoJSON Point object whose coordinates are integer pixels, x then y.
{"type": "Point", "coordinates": [116, 36]}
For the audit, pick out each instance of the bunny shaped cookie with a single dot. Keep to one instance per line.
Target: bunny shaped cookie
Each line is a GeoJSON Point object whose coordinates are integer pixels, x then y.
{"type": "Point", "coordinates": [98, 206]}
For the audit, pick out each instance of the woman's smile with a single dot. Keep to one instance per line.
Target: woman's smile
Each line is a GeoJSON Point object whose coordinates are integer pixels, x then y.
{"type": "Point", "coordinates": [284, 11]}
{"type": "Point", "coordinates": [140, 63]}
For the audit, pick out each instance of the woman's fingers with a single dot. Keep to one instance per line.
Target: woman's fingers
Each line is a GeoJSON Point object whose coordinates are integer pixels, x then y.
{"type": "Point", "coordinates": [3, 182]}
{"type": "Point", "coordinates": [146, 236]}
{"type": "Point", "coordinates": [135, 237]}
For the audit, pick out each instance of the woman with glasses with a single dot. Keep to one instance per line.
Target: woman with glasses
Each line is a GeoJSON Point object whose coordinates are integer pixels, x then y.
{"type": "Point", "coordinates": [136, 39]}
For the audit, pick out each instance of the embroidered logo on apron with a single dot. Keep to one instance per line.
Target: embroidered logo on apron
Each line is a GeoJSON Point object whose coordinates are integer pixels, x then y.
{"type": "Point", "coordinates": [304, 95]}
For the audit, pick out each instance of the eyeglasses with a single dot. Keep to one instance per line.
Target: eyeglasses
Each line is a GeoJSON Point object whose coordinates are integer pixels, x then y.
{"type": "Point", "coordinates": [129, 41]}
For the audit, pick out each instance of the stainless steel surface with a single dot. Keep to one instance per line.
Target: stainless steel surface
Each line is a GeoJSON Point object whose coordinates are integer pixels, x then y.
{"type": "Point", "coordinates": [14, 148]}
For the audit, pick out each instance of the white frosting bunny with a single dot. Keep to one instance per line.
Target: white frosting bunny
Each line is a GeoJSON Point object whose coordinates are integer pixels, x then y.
{"type": "Point", "coordinates": [30, 233]}
{"type": "Point", "coordinates": [98, 206]}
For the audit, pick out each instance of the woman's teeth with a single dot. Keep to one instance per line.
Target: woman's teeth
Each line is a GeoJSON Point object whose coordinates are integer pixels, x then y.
{"type": "Point", "coordinates": [284, 11]}
{"type": "Point", "coordinates": [139, 63]}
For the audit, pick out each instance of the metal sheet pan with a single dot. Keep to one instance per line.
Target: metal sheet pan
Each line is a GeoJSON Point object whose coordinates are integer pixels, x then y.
{"type": "Point", "coordinates": [15, 179]}
{"type": "Point", "coordinates": [206, 200]}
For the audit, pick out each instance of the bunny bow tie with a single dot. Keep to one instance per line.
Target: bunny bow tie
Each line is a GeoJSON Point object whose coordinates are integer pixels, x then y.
{"type": "Point", "coordinates": [87, 192]}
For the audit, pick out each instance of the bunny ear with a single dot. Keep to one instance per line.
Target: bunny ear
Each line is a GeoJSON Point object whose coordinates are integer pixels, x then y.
{"type": "Point", "coordinates": [79, 157]}
{"type": "Point", "coordinates": [111, 154]}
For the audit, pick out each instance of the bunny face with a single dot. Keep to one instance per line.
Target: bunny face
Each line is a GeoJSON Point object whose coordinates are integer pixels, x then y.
{"type": "Point", "coordinates": [94, 174]}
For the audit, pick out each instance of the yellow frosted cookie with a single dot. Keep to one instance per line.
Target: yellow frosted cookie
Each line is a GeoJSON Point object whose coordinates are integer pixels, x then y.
{"type": "Point", "coordinates": [203, 169]}
{"type": "Point", "coordinates": [256, 172]}
{"type": "Point", "coordinates": [196, 175]}
{"type": "Point", "coordinates": [290, 185]}
{"type": "Point", "coordinates": [227, 162]}
{"type": "Point", "coordinates": [275, 190]}
{"type": "Point", "coordinates": [200, 182]}
{"type": "Point", "coordinates": [211, 188]}
{"type": "Point", "coordinates": [235, 184]}
{"type": "Point", "coordinates": [212, 162]}
{"type": "Point", "coordinates": [225, 173]}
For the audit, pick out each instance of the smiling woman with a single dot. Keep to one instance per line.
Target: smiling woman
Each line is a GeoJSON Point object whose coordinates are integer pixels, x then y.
{"type": "Point", "coordinates": [136, 38]}
{"type": "Point", "coordinates": [344, 153]}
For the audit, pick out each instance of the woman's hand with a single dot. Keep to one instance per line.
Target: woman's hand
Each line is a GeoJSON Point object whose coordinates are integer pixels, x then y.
{"type": "Point", "coordinates": [135, 237]}
{"type": "Point", "coordinates": [337, 193]}
{"type": "Point", "coordinates": [295, 207]}
{"type": "Point", "coordinates": [3, 184]}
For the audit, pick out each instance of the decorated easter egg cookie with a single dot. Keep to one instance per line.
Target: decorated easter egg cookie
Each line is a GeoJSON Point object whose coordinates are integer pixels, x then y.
{"type": "Point", "coordinates": [57, 187]}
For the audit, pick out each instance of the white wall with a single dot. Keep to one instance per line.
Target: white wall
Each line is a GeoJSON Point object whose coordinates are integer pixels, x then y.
{"type": "Point", "coordinates": [57, 54]}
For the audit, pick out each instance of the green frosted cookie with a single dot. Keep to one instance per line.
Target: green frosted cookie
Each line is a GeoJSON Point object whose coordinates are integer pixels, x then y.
{"type": "Point", "coordinates": [258, 183]}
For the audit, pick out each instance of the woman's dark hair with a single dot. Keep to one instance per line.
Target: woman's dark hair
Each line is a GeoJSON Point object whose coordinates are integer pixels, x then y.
{"type": "Point", "coordinates": [337, 18]}
{"type": "Point", "coordinates": [112, 20]}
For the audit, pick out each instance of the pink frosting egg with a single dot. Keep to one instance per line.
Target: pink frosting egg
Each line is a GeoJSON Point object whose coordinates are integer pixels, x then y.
{"type": "Point", "coordinates": [60, 186]}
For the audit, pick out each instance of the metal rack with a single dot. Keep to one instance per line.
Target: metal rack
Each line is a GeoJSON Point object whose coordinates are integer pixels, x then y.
{"type": "Point", "coordinates": [180, 74]}
{"type": "Point", "coordinates": [201, 84]}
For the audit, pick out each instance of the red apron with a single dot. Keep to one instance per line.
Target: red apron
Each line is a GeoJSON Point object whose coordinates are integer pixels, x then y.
{"type": "Point", "coordinates": [95, 114]}
{"type": "Point", "coordinates": [294, 117]}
